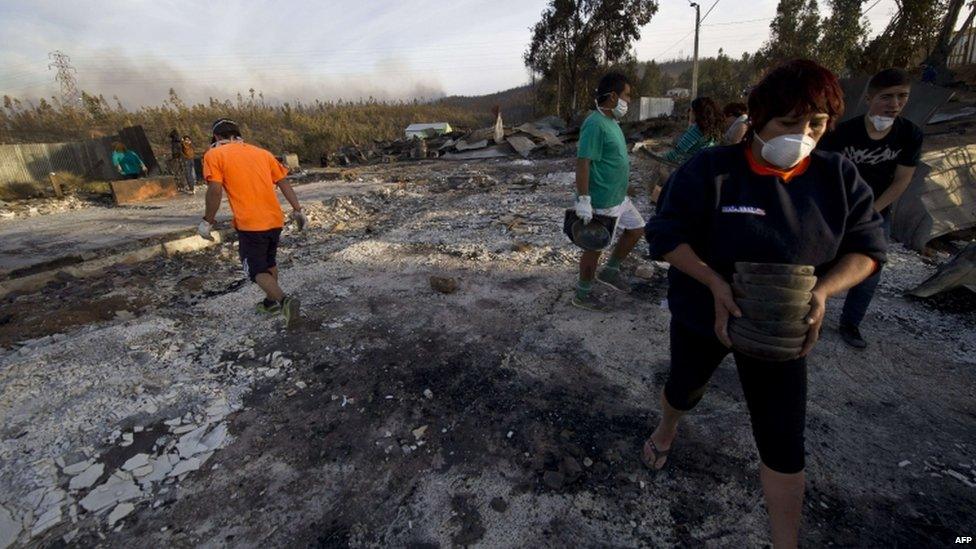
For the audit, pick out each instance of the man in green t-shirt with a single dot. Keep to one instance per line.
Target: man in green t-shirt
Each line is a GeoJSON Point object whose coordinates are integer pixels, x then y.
{"type": "Point", "coordinates": [602, 177]}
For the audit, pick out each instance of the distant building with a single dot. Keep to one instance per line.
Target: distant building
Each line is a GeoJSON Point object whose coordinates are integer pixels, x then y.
{"type": "Point", "coordinates": [654, 107]}
{"type": "Point", "coordinates": [427, 130]}
{"type": "Point", "coordinates": [679, 93]}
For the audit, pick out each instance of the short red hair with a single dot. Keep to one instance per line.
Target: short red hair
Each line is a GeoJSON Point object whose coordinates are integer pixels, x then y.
{"type": "Point", "coordinates": [800, 86]}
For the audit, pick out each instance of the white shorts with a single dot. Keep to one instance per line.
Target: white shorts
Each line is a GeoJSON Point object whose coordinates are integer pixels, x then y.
{"type": "Point", "coordinates": [628, 218]}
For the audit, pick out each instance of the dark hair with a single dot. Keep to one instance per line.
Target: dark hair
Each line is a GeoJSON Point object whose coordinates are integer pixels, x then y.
{"type": "Point", "coordinates": [708, 117]}
{"type": "Point", "coordinates": [611, 82]}
{"type": "Point", "coordinates": [888, 78]}
{"type": "Point", "coordinates": [799, 86]}
{"type": "Point", "coordinates": [735, 109]}
{"type": "Point", "coordinates": [225, 128]}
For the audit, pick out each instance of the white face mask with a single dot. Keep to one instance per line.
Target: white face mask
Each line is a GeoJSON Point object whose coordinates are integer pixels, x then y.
{"type": "Point", "coordinates": [786, 151]}
{"type": "Point", "coordinates": [881, 123]}
{"type": "Point", "coordinates": [619, 111]}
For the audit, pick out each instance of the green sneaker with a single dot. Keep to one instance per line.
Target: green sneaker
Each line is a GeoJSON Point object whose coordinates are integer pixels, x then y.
{"type": "Point", "coordinates": [268, 306]}
{"type": "Point", "coordinates": [615, 279]}
{"type": "Point", "coordinates": [590, 303]}
{"type": "Point", "coordinates": [289, 309]}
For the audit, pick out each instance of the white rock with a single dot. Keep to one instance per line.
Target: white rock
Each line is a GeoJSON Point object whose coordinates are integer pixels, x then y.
{"type": "Point", "coordinates": [127, 439]}
{"type": "Point", "coordinates": [87, 477]}
{"type": "Point", "coordinates": [173, 422]}
{"type": "Point", "coordinates": [135, 462]}
{"type": "Point", "coordinates": [419, 432]}
{"type": "Point", "coordinates": [121, 511]}
{"type": "Point", "coordinates": [215, 437]}
{"type": "Point", "coordinates": [143, 471]}
{"type": "Point", "coordinates": [179, 430]}
{"type": "Point", "coordinates": [9, 528]}
{"type": "Point", "coordinates": [54, 496]}
{"type": "Point", "coordinates": [79, 467]}
{"type": "Point", "coordinates": [51, 517]}
{"type": "Point", "coordinates": [189, 444]}
{"type": "Point", "coordinates": [161, 467]}
{"type": "Point", "coordinates": [301, 384]}
{"type": "Point", "coordinates": [113, 491]}
{"type": "Point", "coordinates": [34, 498]}
{"type": "Point", "coordinates": [904, 463]}
{"type": "Point", "coordinates": [185, 466]}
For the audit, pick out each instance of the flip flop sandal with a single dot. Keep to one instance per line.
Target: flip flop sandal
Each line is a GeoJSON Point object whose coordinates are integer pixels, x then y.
{"type": "Point", "coordinates": [658, 455]}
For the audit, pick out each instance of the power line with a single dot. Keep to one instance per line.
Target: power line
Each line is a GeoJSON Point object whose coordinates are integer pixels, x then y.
{"type": "Point", "coordinates": [709, 10]}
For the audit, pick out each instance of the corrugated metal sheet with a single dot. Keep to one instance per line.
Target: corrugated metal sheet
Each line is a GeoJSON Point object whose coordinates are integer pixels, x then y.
{"type": "Point", "coordinates": [940, 200]}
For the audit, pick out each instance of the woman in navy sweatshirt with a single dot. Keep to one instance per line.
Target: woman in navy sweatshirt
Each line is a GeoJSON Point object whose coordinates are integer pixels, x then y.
{"type": "Point", "coordinates": [772, 198]}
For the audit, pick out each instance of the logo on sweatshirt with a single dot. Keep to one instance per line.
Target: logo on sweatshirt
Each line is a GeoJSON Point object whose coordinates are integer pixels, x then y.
{"type": "Point", "coordinates": [751, 210]}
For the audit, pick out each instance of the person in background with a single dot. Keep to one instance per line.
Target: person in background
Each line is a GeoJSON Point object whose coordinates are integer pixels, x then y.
{"type": "Point", "coordinates": [128, 163]}
{"type": "Point", "coordinates": [886, 148]}
{"type": "Point", "coordinates": [737, 121]}
{"type": "Point", "coordinates": [602, 179]}
{"type": "Point", "coordinates": [770, 199]}
{"type": "Point", "coordinates": [705, 129]}
{"type": "Point", "coordinates": [250, 175]}
{"type": "Point", "coordinates": [187, 152]}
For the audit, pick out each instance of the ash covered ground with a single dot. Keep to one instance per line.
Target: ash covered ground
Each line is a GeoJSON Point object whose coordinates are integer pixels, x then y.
{"type": "Point", "coordinates": [151, 405]}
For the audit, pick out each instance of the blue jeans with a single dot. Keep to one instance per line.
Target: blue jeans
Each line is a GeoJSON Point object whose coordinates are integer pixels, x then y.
{"type": "Point", "coordinates": [859, 297]}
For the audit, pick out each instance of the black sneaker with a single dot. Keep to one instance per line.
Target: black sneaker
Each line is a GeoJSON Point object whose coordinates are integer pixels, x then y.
{"type": "Point", "coordinates": [852, 336]}
{"type": "Point", "coordinates": [590, 303]}
{"type": "Point", "coordinates": [615, 279]}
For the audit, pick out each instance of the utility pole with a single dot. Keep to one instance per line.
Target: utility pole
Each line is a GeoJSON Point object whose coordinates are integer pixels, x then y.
{"type": "Point", "coordinates": [694, 66]}
{"type": "Point", "coordinates": [64, 77]}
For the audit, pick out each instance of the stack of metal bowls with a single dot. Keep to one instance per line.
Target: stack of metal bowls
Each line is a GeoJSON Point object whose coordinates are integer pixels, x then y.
{"type": "Point", "coordinates": [775, 300]}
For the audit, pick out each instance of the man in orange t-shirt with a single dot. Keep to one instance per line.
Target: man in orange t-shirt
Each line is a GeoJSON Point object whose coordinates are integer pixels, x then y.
{"type": "Point", "coordinates": [249, 174]}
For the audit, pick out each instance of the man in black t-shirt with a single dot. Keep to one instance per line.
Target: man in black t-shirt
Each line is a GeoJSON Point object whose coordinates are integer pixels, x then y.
{"type": "Point", "coordinates": [885, 148]}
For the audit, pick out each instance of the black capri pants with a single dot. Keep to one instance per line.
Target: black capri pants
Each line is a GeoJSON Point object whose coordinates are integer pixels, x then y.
{"type": "Point", "coordinates": [775, 393]}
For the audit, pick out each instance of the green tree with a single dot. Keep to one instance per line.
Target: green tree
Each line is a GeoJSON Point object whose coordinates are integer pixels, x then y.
{"type": "Point", "coordinates": [793, 33]}
{"type": "Point", "coordinates": [909, 35]}
{"type": "Point", "coordinates": [844, 36]}
{"type": "Point", "coordinates": [651, 82]}
{"type": "Point", "coordinates": [575, 39]}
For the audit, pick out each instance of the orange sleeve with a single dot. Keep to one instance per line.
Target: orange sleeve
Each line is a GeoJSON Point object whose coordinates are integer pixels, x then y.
{"type": "Point", "coordinates": [211, 168]}
{"type": "Point", "coordinates": [278, 172]}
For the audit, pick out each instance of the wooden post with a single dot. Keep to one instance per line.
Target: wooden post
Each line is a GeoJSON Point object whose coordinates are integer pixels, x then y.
{"type": "Point", "coordinates": [56, 184]}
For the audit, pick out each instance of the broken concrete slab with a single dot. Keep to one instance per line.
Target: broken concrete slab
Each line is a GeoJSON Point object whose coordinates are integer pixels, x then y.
{"type": "Point", "coordinates": [9, 528]}
{"type": "Point", "coordinates": [76, 468]}
{"type": "Point", "coordinates": [113, 491]}
{"type": "Point", "coordinates": [186, 466]}
{"type": "Point", "coordinates": [940, 198]}
{"type": "Point", "coordinates": [87, 477]}
{"type": "Point", "coordinates": [215, 438]}
{"type": "Point", "coordinates": [189, 444]}
{"type": "Point", "coordinates": [48, 519]}
{"type": "Point", "coordinates": [948, 116]}
{"type": "Point", "coordinates": [960, 271]}
{"type": "Point", "coordinates": [135, 462]}
{"type": "Point", "coordinates": [161, 468]}
{"type": "Point", "coordinates": [523, 145]}
{"type": "Point", "coordinates": [121, 511]}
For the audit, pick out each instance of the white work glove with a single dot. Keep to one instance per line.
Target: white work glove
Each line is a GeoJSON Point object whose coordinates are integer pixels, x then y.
{"type": "Point", "coordinates": [203, 229]}
{"type": "Point", "coordinates": [299, 218]}
{"type": "Point", "coordinates": [584, 210]}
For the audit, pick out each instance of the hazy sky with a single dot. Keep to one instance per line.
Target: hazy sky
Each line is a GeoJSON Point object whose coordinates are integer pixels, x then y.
{"type": "Point", "coordinates": [138, 49]}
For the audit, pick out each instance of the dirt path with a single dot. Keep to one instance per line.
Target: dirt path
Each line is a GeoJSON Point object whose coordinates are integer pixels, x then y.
{"type": "Point", "coordinates": [495, 416]}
